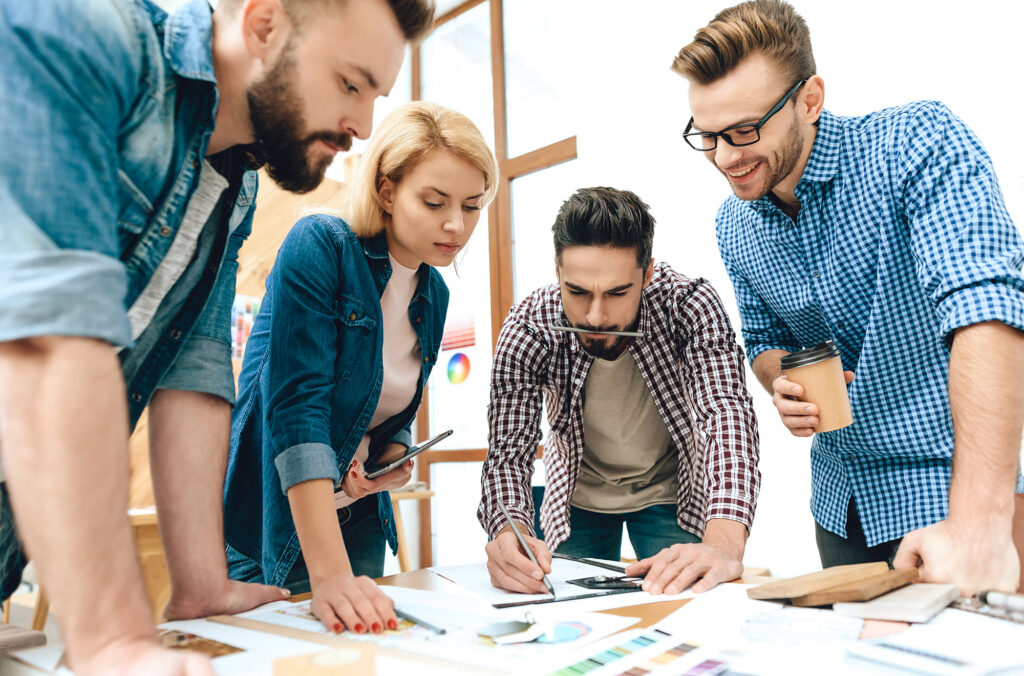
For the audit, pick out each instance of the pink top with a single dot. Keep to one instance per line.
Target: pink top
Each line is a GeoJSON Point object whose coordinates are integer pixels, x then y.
{"type": "Point", "coordinates": [401, 357]}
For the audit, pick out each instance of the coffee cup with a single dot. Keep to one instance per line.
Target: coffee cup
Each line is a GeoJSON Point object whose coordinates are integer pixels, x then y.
{"type": "Point", "coordinates": [819, 370]}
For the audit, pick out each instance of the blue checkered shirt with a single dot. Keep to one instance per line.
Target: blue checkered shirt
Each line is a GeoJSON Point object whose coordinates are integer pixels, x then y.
{"type": "Point", "coordinates": [902, 237]}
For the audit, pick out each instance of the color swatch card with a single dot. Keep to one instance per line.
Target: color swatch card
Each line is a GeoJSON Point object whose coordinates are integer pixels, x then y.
{"type": "Point", "coordinates": [647, 652]}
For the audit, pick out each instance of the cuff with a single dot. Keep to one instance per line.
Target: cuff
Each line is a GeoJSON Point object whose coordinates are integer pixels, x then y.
{"type": "Point", "coordinates": [203, 365]}
{"type": "Point", "coordinates": [304, 462]}
{"type": "Point", "coordinates": [988, 301]}
{"type": "Point", "coordinates": [403, 436]}
{"type": "Point", "coordinates": [732, 506]}
{"type": "Point", "coordinates": [64, 292]}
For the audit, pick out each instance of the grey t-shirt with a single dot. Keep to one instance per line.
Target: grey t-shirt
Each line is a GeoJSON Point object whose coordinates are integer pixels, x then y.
{"type": "Point", "coordinates": [629, 460]}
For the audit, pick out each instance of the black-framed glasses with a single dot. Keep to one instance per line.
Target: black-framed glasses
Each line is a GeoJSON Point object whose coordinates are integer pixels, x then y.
{"type": "Point", "coordinates": [741, 134]}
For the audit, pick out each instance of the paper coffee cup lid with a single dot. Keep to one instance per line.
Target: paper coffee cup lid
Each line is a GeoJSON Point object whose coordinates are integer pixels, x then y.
{"type": "Point", "coordinates": [812, 355]}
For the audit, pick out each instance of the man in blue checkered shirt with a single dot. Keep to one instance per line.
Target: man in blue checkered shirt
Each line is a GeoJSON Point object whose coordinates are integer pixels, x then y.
{"type": "Point", "coordinates": [886, 233]}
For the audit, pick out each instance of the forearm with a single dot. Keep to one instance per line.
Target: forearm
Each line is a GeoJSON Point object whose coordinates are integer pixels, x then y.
{"type": "Point", "coordinates": [986, 369]}
{"type": "Point", "coordinates": [316, 522]}
{"type": "Point", "coordinates": [766, 367]}
{"type": "Point", "coordinates": [64, 431]}
{"type": "Point", "coordinates": [729, 535]}
{"type": "Point", "coordinates": [188, 447]}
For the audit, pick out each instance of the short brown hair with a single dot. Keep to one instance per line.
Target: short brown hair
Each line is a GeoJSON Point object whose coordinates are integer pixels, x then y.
{"type": "Point", "coordinates": [771, 27]}
{"type": "Point", "coordinates": [415, 17]}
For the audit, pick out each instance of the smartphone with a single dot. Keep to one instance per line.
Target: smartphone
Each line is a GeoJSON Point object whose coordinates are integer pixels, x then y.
{"type": "Point", "coordinates": [374, 471]}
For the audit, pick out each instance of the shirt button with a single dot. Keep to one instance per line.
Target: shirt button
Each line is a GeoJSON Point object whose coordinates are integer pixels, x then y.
{"type": "Point", "coordinates": [426, 359]}
{"type": "Point", "coordinates": [816, 274]}
{"type": "Point", "coordinates": [175, 334]}
{"type": "Point", "coordinates": [841, 324]}
{"type": "Point", "coordinates": [386, 521]}
{"type": "Point", "coordinates": [136, 397]}
{"type": "Point", "coordinates": [352, 316]}
{"type": "Point", "coordinates": [165, 231]}
{"type": "Point", "coordinates": [417, 320]}
{"type": "Point", "coordinates": [195, 164]}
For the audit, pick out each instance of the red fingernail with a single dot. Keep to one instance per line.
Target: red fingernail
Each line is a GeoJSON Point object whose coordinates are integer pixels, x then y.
{"type": "Point", "coordinates": [359, 629]}
{"type": "Point", "coordinates": [337, 628]}
{"type": "Point", "coordinates": [375, 627]}
{"type": "Point", "coordinates": [353, 473]}
{"type": "Point", "coordinates": [392, 625]}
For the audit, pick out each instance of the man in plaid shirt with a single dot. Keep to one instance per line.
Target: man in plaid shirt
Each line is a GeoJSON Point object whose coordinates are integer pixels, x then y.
{"type": "Point", "coordinates": [886, 233]}
{"type": "Point", "coordinates": [655, 432]}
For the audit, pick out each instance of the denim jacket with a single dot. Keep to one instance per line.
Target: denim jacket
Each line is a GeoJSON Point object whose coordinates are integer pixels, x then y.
{"type": "Point", "coordinates": [311, 379]}
{"type": "Point", "coordinates": [105, 116]}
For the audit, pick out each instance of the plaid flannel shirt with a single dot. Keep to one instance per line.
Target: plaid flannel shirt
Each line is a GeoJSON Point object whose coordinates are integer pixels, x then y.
{"type": "Point", "coordinates": [694, 369]}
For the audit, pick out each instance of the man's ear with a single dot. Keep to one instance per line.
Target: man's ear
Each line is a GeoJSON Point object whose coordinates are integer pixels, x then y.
{"type": "Point", "coordinates": [811, 99]}
{"type": "Point", "coordinates": [558, 271]}
{"type": "Point", "coordinates": [265, 29]}
{"type": "Point", "coordinates": [386, 194]}
{"type": "Point", "coordinates": [648, 273]}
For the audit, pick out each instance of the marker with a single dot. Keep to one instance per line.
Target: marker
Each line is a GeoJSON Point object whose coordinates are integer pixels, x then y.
{"type": "Point", "coordinates": [1012, 602]}
{"type": "Point", "coordinates": [573, 329]}
{"type": "Point", "coordinates": [522, 543]}
{"type": "Point", "coordinates": [423, 623]}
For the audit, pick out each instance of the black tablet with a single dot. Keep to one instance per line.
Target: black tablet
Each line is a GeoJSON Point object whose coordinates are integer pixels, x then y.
{"type": "Point", "coordinates": [374, 471]}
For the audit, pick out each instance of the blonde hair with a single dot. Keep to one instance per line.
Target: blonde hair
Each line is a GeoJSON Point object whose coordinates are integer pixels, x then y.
{"type": "Point", "coordinates": [771, 27]}
{"type": "Point", "coordinates": [401, 141]}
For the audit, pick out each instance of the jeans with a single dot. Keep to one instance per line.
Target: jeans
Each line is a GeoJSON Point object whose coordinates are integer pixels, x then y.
{"type": "Point", "coordinates": [364, 541]}
{"type": "Point", "coordinates": [596, 535]}
{"type": "Point", "coordinates": [837, 551]}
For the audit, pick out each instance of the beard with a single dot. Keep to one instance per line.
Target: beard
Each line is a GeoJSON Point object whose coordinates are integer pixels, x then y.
{"type": "Point", "coordinates": [280, 129]}
{"type": "Point", "coordinates": [781, 165]}
{"type": "Point", "coordinates": [604, 348]}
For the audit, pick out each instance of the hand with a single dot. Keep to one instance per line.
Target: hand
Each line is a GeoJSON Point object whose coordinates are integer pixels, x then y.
{"type": "Point", "coordinates": [343, 601]}
{"type": "Point", "coordinates": [231, 598]}
{"type": "Point", "coordinates": [675, 568]}
{"type": "Point", "coordinates": [974, 559]}
{"type": "Point", "coordinates": [799, 416]}
{"type": "Point", "coordinates": [142, 658]}
{"type": "Point", "coordinates": [356, 485]}
{"type": "Point", "coordinates": [511, 568]}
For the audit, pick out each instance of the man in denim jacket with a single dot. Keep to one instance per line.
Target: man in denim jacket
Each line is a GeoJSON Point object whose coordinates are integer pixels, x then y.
{"type": "Point", "coordinates": [128, 143]}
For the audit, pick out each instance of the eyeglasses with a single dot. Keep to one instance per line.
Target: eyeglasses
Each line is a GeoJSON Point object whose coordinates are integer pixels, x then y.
{"type": "Point", "coordinates": [741, 134]}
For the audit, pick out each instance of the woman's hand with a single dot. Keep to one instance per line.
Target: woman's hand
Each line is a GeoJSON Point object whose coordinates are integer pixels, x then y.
{"type": "Point", "coordinates": [356, 485]}
{"type": "Point", "coordinates": [343, 601]}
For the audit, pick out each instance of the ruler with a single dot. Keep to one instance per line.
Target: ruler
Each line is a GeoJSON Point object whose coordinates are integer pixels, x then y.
{"type": "Point", "coordinates": [537, 602]}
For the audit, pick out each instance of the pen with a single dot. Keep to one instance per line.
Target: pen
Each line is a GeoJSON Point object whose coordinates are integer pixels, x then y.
{"type": "Point", "coordinates": [522, 543]}
{"type": "Point", "coordinates": [573, 329]}
{"type": "Point", "coordinates": [1012, 602]}
{"type": "Point", "coordinates": [423, 623]}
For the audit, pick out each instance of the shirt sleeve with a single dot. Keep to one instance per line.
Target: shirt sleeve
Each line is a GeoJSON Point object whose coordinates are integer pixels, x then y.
{"type": "Point", "coordinates": [762, 329]}
{"type": "Point", "coordinates": [968, 252]}
{"type": "Point", "coordinates": [204, 363]}
{"type": "Point", "coordinates": [69, 72]}
{"type": "Point", "coordinates": [715, 377]}
{"type": "Point", "coordinates": [513, 418]}
{"type": "Point", "coordinates": [302, 353]}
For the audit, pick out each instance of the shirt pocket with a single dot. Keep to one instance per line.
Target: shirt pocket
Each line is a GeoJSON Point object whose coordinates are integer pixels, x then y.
{"type": "Point", "coordinates": [357, 330]}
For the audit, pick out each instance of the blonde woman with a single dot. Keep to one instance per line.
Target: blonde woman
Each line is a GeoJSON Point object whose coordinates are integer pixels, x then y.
{"type": "Point", "coordinates": [337, 362]}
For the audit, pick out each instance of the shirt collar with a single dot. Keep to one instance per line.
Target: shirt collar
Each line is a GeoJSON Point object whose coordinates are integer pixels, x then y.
{"type": "Point", "coordinates": [376, 250]}
{"type": "Point", "coordinates": [823, 162]}
{"type": "Point", "coordinates": [188, 41]}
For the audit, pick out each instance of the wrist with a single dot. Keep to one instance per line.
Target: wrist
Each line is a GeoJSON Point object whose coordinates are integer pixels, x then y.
{"type": "Point", "coordinates": [729, 536]}
{"type": "Point", "coordinates": [327, 573]}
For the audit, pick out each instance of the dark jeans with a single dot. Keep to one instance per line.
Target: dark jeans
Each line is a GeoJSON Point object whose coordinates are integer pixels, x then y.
{"type": "Point", "coordinates": [12, 556]}
{"type": "Point", "coordinates": [595, 535]}
{"type": "Point", "coordinates": [837, 551]}
{"type": "Point", "coordinates": [364, 541]}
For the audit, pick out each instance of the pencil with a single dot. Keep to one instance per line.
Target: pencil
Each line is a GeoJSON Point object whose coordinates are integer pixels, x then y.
{"type": "Point", "coordinates": [423, 623]}
{"type": "Point", "coordinates": [573, 329]}
{"type": "Point", "coordinates": [522, 543]}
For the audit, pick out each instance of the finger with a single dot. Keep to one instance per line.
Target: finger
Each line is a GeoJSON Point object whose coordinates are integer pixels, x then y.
{"type": "Point", "coordinates": [346, 612]}
{"type": "Point", "coordinates": [359, 597]}
{"type": "Point", "coordinates": [639, 568]}
{"type": "Point", "coordinates": [687, 576]}
{"type": "Point", "coordinates": [715, 575]}
{"type": "Point", "coordinates": [908, 555]}
{"type": "Point", "coordinates": [383, 604]}
{"type": "Point", "coordinates": [327, 616]}
{"type": "Point", "coordinates": [540, 550]}
{"type": "Point", "coordinates": [513, 556]}
{"type": "Point", "coordinates": [197, 665]}
{"type": "Point", "coordinates": [849, 376]}
{"type": "Point", "coordinates": [785, 386]}
{"type": "Point", "coordinates": [505, 577]}
{"type": "Point", "coordinates": [797, 422]}
{"type": "Point", "coordinates": [670, 573]}
{"type": "Point", "coordinates": [659, 562]}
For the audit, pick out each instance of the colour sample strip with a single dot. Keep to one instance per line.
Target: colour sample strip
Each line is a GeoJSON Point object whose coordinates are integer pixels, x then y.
{"type": "Point", "coordinates": [611, 655]}
{"type": "Point", "coordinates": [661, 659]}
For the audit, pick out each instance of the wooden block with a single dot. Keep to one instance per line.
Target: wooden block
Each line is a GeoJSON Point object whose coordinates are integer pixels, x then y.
{"type": "Point", "coordinates": [918, 602]}
{"type": "Point", "coordinates": [355, 661]}
{"type": "Point", "coordinates": [802, 585]}
{"type": "Point", "coordinates": [861, 590]}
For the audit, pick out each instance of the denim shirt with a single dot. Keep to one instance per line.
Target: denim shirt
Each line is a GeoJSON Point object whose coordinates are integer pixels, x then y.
{"type": "Point", "coordinates": [311, 379]}
{"type": "Point", "coordinates": [105, 116]}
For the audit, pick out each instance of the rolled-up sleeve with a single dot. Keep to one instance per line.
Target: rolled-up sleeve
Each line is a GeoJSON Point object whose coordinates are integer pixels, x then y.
{"type": "Point", "coordinates": [969, 252]}
{"type": "Point", "coordinates": [65, 91]}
